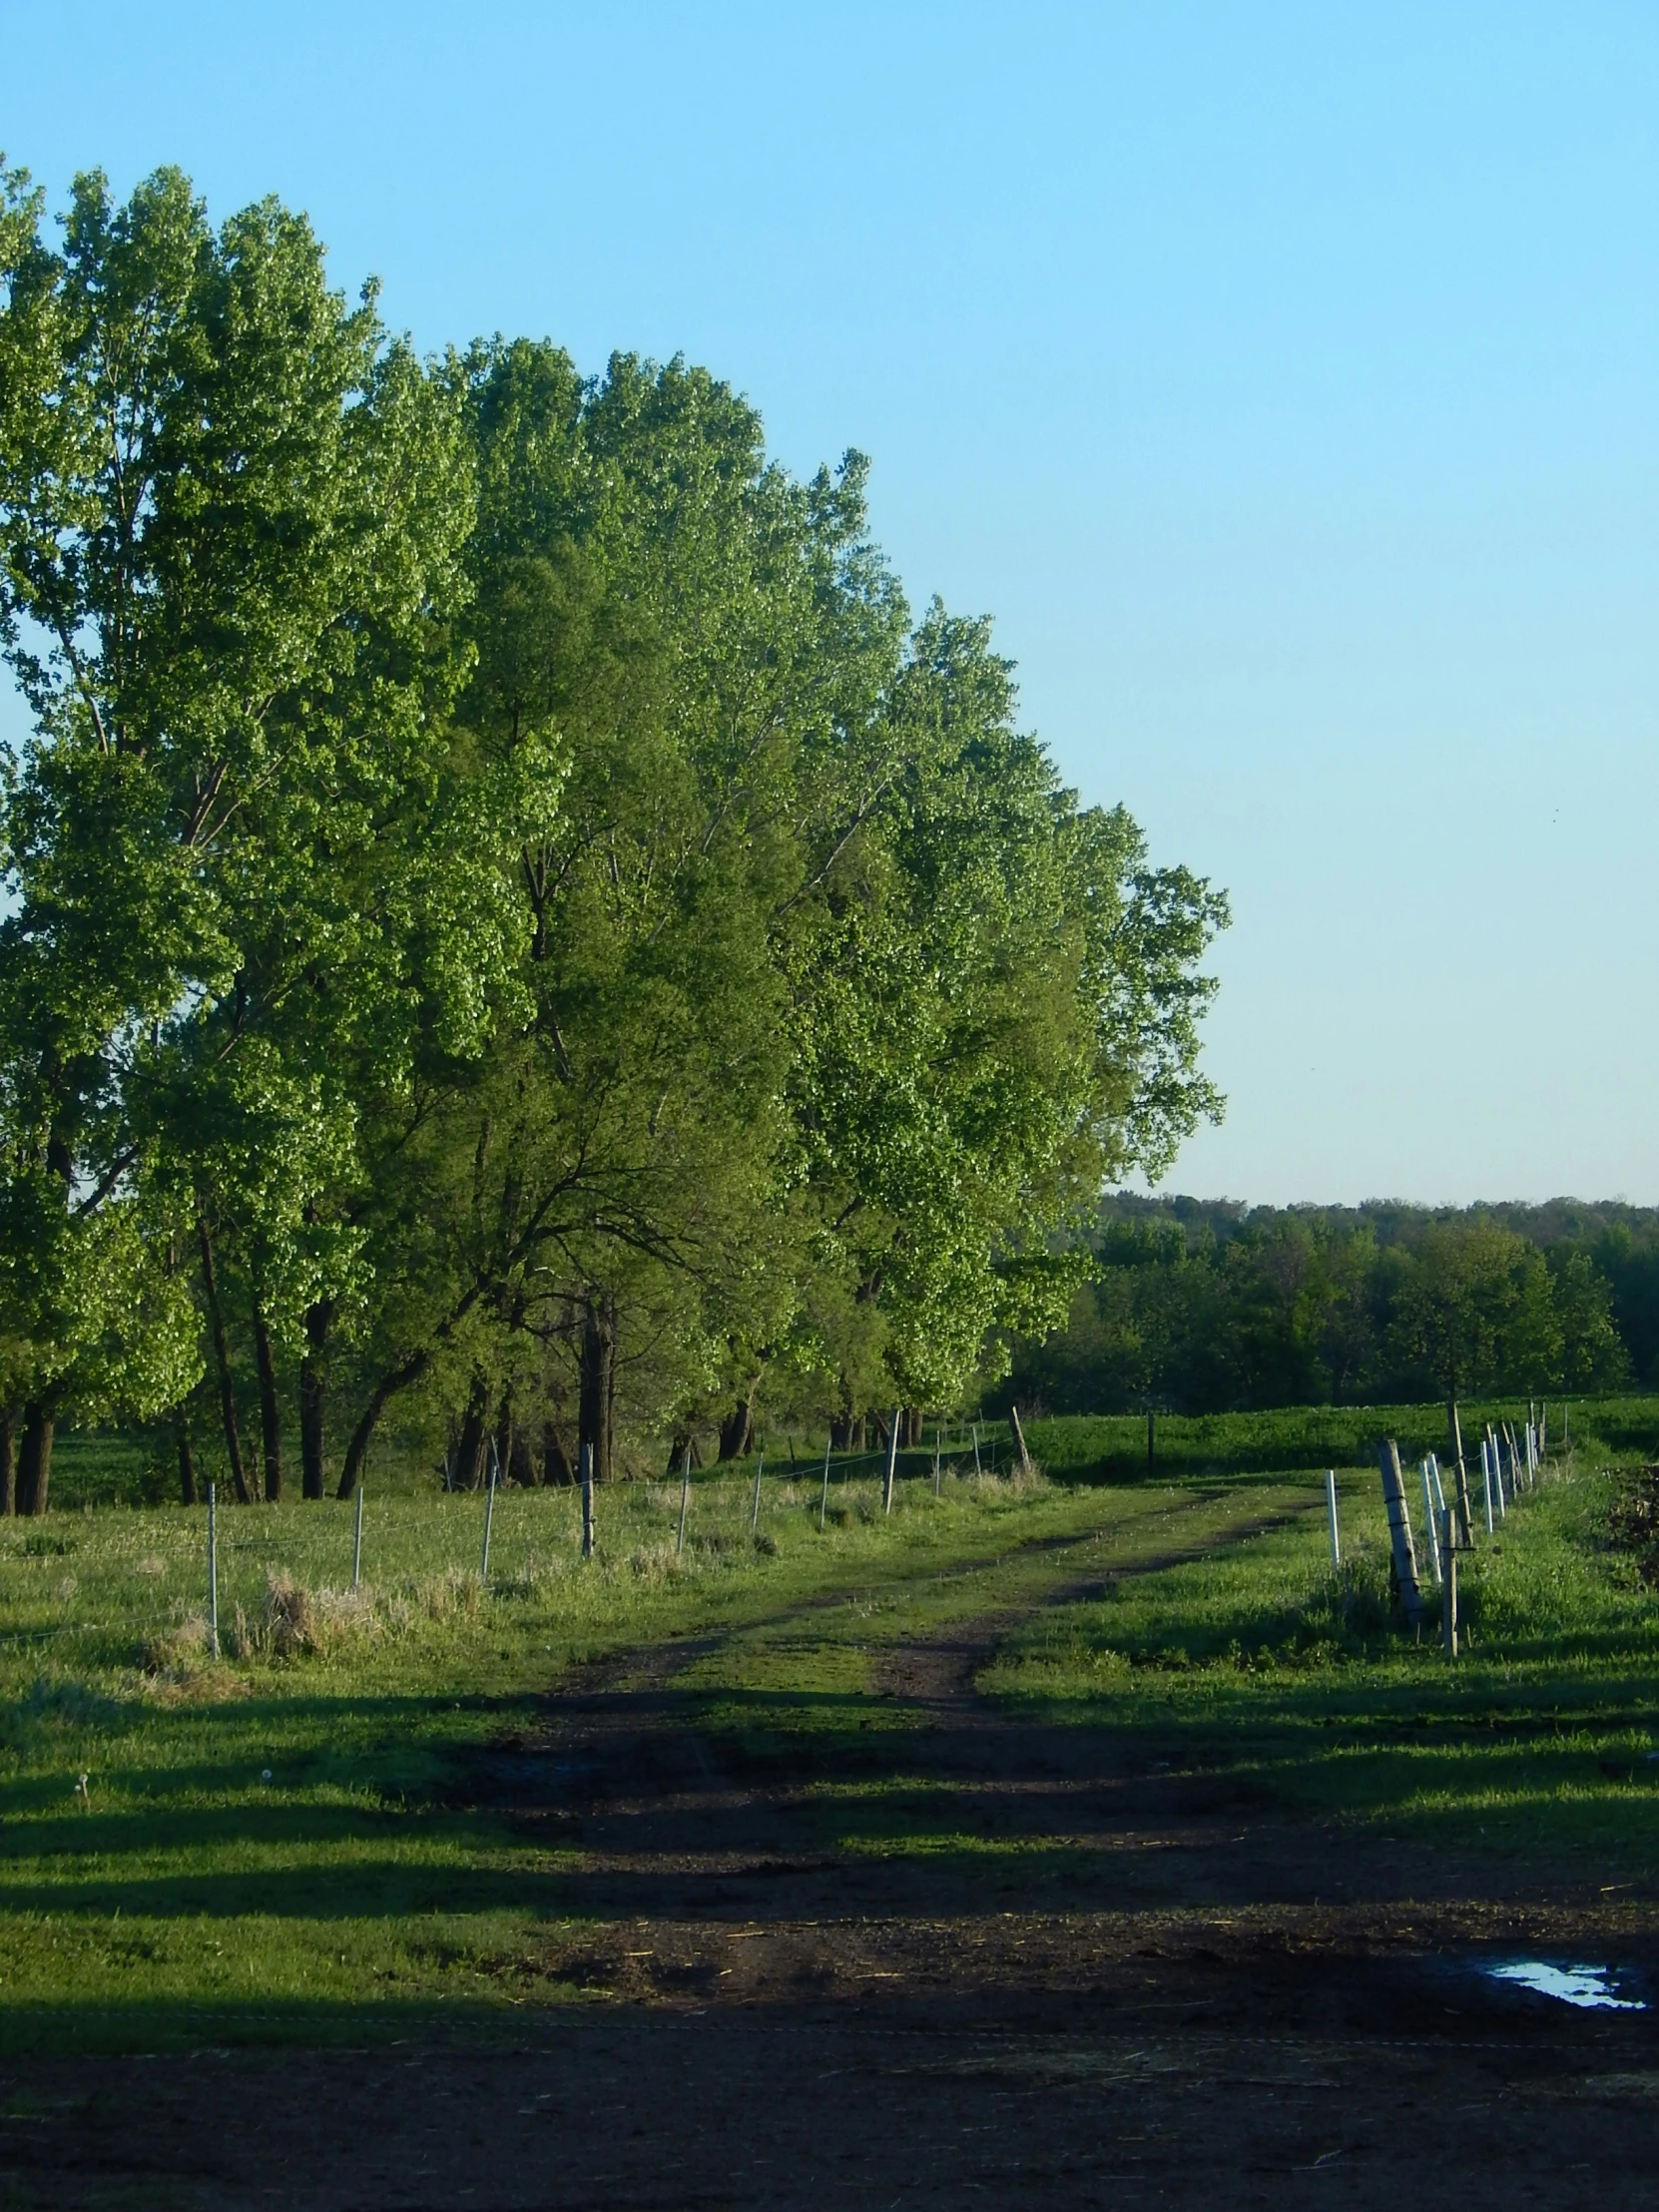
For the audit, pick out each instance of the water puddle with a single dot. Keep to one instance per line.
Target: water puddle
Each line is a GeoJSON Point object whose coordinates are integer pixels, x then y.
{"type": "Point", "coordinates": [1593, 1988]}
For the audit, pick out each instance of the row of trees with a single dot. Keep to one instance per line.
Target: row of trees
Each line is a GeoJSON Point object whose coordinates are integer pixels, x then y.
{"type": "Point", "coordinates": [1215, 1308]}
{"type": "Point", "coordinates": [509, 922]}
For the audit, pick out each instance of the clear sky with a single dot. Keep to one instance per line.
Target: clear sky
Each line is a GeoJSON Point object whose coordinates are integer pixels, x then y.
{"type": "Point", "coordinates": [1283, 378]}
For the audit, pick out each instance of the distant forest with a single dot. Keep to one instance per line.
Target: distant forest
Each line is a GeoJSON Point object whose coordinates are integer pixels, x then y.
{"type": "Point", "coordinates": [1205, 1306]}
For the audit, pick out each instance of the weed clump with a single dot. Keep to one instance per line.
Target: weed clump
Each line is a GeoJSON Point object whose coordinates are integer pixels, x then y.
{"type": "Point", "coordinates": [54, 1706]}
{"type": "Point", "coordinates": [652, 1564]}
{"type": "Point", "coordinates": [455, 1593]}
{"type": "Point", "coordinates": [179, 1664]}
{"type": "Point", "coordinates": [299, 1620]}
{"type": "Point", "coordinates": [1633, 1522]}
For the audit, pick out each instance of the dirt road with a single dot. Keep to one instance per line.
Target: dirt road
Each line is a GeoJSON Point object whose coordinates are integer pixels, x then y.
{"type": "Point", "coordinates": [937, 1957]}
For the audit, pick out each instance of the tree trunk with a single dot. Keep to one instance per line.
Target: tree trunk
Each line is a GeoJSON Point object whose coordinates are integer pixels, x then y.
{"type": "Point", "coordinates": [310, 1398]}
{"type": "Point", "coordinates": [849, 1431]}
{"type": "Point", "coordinates": [271, 1420]}
{"type": "Point", "coordinates": [912, 1428]}
{"type": "Point", "coordinates": [737, 1429]}
{"type": "Point", "coordinates": [520, 1465]}
{"type": "Point", "coordinates": [34, 1474]}
{"type": "Point", "coordinates": [505, 1426]}
{"type": "Point", "coordinates": [221, 1360]}
{"type": "Point", "coordinates": [555, 1460]}
{"type": "Point", "coordinates": [187, 1462]}
{"type": "Point", "coordinates": [597, 1347]}
{"type": "Point", "coordinates": [469, 1453]}
{"type": "Point", "coordinates": [8, 1462]}
{"type": "Point", "coordinates": [357, 1451]}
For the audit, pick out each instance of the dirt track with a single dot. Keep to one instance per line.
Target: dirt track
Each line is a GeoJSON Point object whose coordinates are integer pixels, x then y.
{"type": "Point", "coordinates": [1195, 2002]}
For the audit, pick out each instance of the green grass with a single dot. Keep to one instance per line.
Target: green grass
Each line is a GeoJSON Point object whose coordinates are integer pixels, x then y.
{"type": "Point", "coordinates": [279, 1844]}
{"type": "Point", "coordinates": [279, 1831]}
{"type": "Point", "coordinates": [1300, 1686]}
{"type": "Point", "coordinates": [1114, 1444]}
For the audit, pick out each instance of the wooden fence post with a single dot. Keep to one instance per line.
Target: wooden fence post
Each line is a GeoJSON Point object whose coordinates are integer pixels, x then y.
{"type": "Point", "coordinates": [1464, 1510]}
{"type": "Point", "coordinates": [1020, 1438]}
{"type": "Point", "coordinates": [1429, 1523]}
{"type": "Point", "coordinates": [1449, 1599]}
{"type": "Point", "coordinates": [755, 1516]}
{"type": "Point", "coordinates": [684, 1501]}
{"type": "Point", "coordinates": [357, 1541]}
{"type": "Point", "coordinates": [976, 1467]}
{"type": "Point", "coordinates": [1399, 1531]}
{"type": "Point", "coordinates": [824, 1501]}
{"type": "Point", "coordinates": [1331, 1504]}
{"type": "Point", "coordinates": [587, 1501]}
{"type": "Point", "coordinates": [892, 1462]}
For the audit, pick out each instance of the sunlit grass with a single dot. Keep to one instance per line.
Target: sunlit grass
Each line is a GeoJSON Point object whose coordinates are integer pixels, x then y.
{"type": "Point", "coordinates": [1266, 1666]}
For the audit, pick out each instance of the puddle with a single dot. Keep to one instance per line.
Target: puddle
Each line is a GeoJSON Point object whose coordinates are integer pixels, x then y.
{"type": "Point", "coordinates": [1593, 1988]}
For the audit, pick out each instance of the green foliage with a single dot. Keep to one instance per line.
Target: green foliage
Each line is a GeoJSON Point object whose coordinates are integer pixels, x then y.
{"type": "Point", "coordinates": [1205, 1307]}
{"type": "Point", "coordinates": [506, 915]}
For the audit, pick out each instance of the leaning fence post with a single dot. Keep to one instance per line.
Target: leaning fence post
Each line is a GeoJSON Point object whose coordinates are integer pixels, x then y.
{"type": "Point", "coordinates": [1497, 1473]}
{"type": "Point", "coordinates": [892, 1462]}
{"type": "Point", "coordinates": [824, 1501]}
{"type": "Point", "coordinates": [587, 1501]}
{"type": "Point", "coordinates": [755, 1516]}
{"type": "Point", "coordinates": [1399, 1530]}
{"type": "Point", "coordinates": [1464, 1511]}
{"type": "Point", "coordinates": [213, 1569]}
{"type": "Point", "coordinates": [1486, 1483]}
{"type": "Point", "coordinates": [684, 1501]}
{"type": "Point", "coordinates": [1331, 1504]}
{"type": "Point", "coordinates": [357, 1541]}
{"type": "Point", "coordinates": [489, 1515]}
{"type": "Point", "coordinates": [1428, 1518]}
{"type": "Point", "coordinates": [976, 1467]}
{"type": "Point", "coordinates": [1020, 1438]}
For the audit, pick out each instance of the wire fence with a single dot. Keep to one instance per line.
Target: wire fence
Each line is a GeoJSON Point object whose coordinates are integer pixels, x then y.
{"type": "Point", "coordinates": [120, 1581]}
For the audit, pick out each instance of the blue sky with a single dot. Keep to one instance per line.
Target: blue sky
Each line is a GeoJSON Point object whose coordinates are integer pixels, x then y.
{"type": "Point", "coordinates": [1283, 378]}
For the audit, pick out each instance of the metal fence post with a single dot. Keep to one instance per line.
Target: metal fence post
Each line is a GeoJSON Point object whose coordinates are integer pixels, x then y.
{"type": "Point", "coordinates": [213, 1569]}
{"type": "Point", "coordinates": [489, 1515]}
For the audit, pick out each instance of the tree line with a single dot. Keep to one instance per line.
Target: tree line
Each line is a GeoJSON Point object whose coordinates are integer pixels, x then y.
{"type": "Point", "coordinates": [1215, 1308]}
{"type": "Point", "coordinates": [510, 923]}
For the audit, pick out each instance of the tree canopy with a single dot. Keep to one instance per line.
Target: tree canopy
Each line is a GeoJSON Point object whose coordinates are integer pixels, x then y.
{"type": "Point", "coordinates": [509, 916]}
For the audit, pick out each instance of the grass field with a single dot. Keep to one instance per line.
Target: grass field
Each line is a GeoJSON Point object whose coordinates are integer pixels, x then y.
{"type": "Point", "coordinates": [285, 1843]}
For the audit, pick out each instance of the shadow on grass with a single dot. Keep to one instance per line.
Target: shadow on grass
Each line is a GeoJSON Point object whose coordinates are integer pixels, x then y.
{"type": "Point", "coordinates": [179, 2025]}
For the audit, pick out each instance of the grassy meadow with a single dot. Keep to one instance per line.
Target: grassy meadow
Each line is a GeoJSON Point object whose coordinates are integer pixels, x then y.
{"type": "Point", "coordinates": [284, 1841]}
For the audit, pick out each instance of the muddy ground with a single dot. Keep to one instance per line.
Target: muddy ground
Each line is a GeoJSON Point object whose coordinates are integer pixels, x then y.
{"type": "Point", "coordinates": [1199, 2002]}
